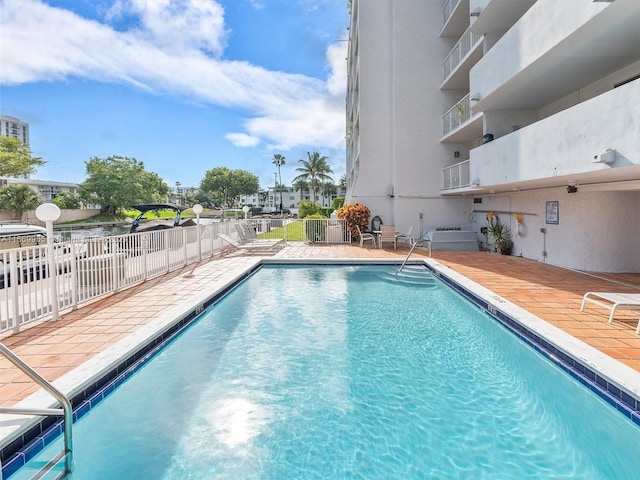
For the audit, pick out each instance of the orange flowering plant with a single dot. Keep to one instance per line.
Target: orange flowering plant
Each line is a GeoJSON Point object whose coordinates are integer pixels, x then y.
{"type": "Point", "coordinates": [354, 215]}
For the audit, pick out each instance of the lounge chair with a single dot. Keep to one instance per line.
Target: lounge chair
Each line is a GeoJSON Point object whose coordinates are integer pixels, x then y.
{"type": "Point", "coordinates": [247, 234]}
{"type": "Point", "coordinates": [405, 237]}
{"type": "Point", "coordinates": [366, 236]}
{"type": "Point", "coordinates": [614, 300]}
{"type": "Point", "coordinates": [388, 235]}
{"type": "Point", "coordinates": [255, 248]}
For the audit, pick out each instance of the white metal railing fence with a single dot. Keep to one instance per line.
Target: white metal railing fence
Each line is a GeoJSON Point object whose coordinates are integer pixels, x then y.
{"type": "Point", "coordinates": [459, 52]}
{"type": "Point", "coordinates": [458, 114]}
{"type": "Point", "coordinates": [89, 268]}
{"type": "Point", "coordinates": [325, 230]}
{"type": "Point", "coordinates": [456, 176]}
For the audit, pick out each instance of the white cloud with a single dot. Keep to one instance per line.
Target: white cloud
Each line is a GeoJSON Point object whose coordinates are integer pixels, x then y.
{"type": "Point", "coordinates": [242, 139]}
{"type": "Point", "coordinates": [175, 50]}
{"type": "Point", "coordinates": [177, 25]}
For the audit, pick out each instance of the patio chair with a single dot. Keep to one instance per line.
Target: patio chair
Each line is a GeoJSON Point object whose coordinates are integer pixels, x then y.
{"type": "Point", "coordinates": [366, 236]}
{"type": "Point", "coordinates": [406, 237]}
{"type": "Point", "coordinates": [388, 235]}
{"type": "Point", "coordinates": [376, 222]}
{"type": "Point", "coordinates": [255, 248]}
{"type": "Point", "coordinates": [614, 300]}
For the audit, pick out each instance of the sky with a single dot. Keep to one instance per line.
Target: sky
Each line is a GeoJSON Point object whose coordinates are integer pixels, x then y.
{"type": "Point", "coordinates": [183, 86]}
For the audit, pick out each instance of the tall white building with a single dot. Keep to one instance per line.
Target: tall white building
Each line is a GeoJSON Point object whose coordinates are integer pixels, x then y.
{"type": "Point", "coordinates": [457, 108]}
{"type": "Point", "coordinates": [13, 127]}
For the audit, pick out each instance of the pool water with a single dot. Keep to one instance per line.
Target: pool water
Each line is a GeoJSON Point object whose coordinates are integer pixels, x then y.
{"type": "Point", "coordinates": [332, 373]}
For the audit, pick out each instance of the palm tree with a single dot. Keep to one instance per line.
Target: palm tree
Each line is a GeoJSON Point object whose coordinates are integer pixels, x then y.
{"type": "Point", "coordinates": [327, 189]}
{"type": "Point", "coordinates": [342, 184]}
{"type": "Point", "coordinates": [300, 185]}
{"type": "Point", "coordinates": [315, 170]}
{"type": "Point", "coordinates": [278, 161]}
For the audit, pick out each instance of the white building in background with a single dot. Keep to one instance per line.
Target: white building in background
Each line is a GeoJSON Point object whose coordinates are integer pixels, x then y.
{"type": "Point", "coordinates": [13, 127]}
{"type": "Point", "coordinates": [269, 200]}
{"type": "Point", "coordinates": [460, 107]}
{"type": "Point", "coordinates": [47, 190]}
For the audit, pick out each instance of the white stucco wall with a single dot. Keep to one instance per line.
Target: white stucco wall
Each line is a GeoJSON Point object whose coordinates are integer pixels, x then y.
{"type": "Point", "coordinates": [400, 115]}
{"type": "Point", "coordinates": [597, 231]}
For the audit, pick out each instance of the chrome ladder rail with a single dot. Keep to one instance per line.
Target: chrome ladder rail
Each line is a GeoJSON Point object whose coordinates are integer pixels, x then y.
{"type": "Point", "coordinates": [415, 244]}
{"type": "Point", "coordinates": [66, 412]}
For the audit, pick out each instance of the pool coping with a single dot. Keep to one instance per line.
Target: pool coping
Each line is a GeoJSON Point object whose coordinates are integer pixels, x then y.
{"type": "Point", "coordinates": [612, 380]}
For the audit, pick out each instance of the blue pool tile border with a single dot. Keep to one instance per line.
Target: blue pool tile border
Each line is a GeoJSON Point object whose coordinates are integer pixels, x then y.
{"type": "Point", "coordinates": [621, 400]}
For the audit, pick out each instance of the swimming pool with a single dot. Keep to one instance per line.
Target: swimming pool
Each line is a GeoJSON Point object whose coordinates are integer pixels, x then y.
{"type": "Point", "coordinates": [342, 372]}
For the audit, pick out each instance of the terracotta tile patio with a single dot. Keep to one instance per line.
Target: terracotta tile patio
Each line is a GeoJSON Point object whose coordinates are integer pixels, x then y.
{"type": "Point", "coordinates": [553, 294]}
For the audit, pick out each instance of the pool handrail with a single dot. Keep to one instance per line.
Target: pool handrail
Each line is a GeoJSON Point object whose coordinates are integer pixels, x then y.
{"type": "Point", "coordinates": [66, 411]}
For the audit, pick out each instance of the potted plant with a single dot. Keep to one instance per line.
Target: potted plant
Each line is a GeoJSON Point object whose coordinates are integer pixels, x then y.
{"type": "Point", "coordinates": [500, 234]}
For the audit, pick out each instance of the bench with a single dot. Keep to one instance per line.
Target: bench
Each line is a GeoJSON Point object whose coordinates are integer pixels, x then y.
{"type": "Point", "coordinates": [459, 240]}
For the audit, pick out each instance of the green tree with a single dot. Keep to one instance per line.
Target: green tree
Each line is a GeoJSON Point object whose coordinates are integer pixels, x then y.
{"type": "Point", "coordinates": [16, 159]}
{"type": "Point", "coordinates": [66, 200]}
{"type": "Point", "coordinates": [342, 184]}
{"type": "Point", "coordinates": [301, 185]}
{"type": "Point", "coordinates": [327, 189]}
{"type": "Point", "coordinates": [18, 198]}
{"type": "Point", "coordinates": [315, 170]}
{"type": "Point", "coordinates": [117, 182]}
{"type": "Point", "coordinates": [225, 186]}
{"type": "Point", "coordinates": [278, 161]}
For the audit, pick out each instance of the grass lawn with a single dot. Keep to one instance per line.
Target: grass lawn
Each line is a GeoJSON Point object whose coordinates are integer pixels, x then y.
{"type": "Point", "coordinates": [294, 232]}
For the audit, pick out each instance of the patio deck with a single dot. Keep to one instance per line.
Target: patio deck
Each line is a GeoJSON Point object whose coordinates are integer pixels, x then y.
{"type": "Point", "coordinates": [553, 294]}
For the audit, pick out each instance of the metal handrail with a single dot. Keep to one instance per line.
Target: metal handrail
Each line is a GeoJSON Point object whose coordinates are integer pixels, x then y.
{"type": "Point", "coordinates": [66, 411]}
{"type": "Point", "coordinates": [417, 243]}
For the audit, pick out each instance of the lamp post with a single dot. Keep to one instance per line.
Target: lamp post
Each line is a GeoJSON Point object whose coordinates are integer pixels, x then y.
{"type": "Point", "coordinates": [49, 213]}
{"type": "Point", "coordinates": [245, 209]}
{"type": "Point", "coordinates": [197, 209]}
{"type": "Point", "coordinates": [275, 190]}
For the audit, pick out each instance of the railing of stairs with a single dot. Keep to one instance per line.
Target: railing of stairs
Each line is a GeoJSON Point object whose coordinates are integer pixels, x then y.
{"type": "Point", "coordinates": [66, 412]}
{"type": "Point", "coordinates": [417, 243]}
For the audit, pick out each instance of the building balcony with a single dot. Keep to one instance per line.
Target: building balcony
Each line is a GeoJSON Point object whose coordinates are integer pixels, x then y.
{"type": "Point", "coordinates": [456, 176]}
{"type": "Point", "coordinates": [518, 74]}
{"type": "Point", "coordinates": [455, 68]}
{"type": "Point", "coordinates": [460, 123]}
{"type": "Point", "coordinates": [593, 142]}
{"type": "Point", "coordinates": [498, 15]}
{"type": "Point", "coordinates": [455, 17]}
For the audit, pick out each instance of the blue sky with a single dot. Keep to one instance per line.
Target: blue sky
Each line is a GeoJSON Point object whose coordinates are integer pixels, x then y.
{"type": "Point", "coordinates": [181, 85]}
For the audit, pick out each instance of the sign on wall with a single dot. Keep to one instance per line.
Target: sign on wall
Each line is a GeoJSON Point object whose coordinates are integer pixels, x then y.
{"type": "Point", "coordinates": [551, 212]}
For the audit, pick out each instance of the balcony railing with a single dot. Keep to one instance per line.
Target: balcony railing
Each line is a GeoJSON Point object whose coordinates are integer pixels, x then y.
{"type": "Point", "coordinates": [459, 52]}
{"type": "Point", "coordinates": [456, 176]}
{"type": "Point", "coordinates": [458, 114]}
{"type": "Point", "coordinates": [448, 6]}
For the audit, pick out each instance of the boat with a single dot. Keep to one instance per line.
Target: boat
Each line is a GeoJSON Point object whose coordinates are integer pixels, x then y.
{"type": "Point", "coordinates": [149, 217]}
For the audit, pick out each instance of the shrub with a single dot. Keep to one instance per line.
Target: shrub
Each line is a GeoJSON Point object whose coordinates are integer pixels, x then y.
{"type": "Point", "coordinates": [337, 203]}
{"type": "Point", "coordinates": [355, 215]}
{"type": "Point", "coordinates": [307, 208]}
